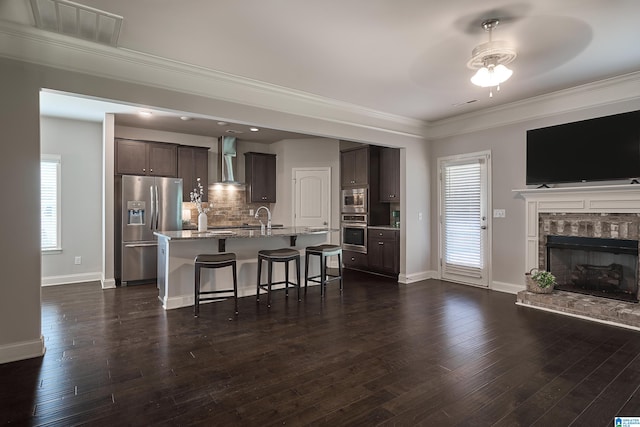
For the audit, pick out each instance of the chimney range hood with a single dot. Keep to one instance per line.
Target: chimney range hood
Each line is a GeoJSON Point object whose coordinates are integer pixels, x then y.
{"type": "Point", "coordinates": [227, 161]}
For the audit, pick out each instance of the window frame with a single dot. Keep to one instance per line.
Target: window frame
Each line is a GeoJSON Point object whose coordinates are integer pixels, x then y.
{"type": "Point", "coordinates": [55, 159]}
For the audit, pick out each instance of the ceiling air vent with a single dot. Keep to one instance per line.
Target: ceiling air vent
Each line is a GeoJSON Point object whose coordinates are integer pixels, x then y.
{"type": "Point", "coordinates": [76, 20]}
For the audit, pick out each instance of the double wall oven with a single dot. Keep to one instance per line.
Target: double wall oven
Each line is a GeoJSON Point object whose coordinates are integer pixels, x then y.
{"type": "Point", "coordinates": [354, 219]}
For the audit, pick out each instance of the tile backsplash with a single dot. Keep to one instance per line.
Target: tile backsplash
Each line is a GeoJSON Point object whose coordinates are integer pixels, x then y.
{"type": "Point", "coordinates": [229, 207]}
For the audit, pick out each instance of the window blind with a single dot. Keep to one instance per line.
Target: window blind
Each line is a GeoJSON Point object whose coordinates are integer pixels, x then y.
{"type": "Point", "coordinates": [462, 211]}
{"type": "Point", "coordinates": [50, 202]}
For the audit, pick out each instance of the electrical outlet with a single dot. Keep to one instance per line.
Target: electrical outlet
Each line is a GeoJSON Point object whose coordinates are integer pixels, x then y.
{"type": "Point", "coordinates": [419, 216]}
{"type": "Point", "coordinates": [78, 260]}
{"type": "Point", "coordinates": [499, 213]}
{"type": "Point", "coordinates": [250, 212]}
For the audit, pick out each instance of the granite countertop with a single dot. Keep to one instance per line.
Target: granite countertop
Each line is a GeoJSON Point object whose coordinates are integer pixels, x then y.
{"type": "Point", "coordinates": [242, 233]}
{"type": "Point", "coordinates": [383, 227]}
{"type": "Point", "coordinates": [230, 227]}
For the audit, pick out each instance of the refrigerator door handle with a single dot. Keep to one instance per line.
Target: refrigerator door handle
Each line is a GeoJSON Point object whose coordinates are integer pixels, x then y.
{"type": "Point", "coordinates": [157, 208]}
{"type": "Point", "coordinates": [153, 207]}
{"type": "Point", "coordinates": [140, 245]}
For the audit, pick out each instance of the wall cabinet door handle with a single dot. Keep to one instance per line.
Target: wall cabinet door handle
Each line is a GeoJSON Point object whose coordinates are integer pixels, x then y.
{"type": "Point", "coordinates": [381, 243]}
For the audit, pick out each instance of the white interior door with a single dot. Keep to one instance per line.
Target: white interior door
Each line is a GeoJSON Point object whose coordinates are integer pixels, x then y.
{"type": "Point", "coordinates": [464, 219]}
{"type": "Point", "coordinates": [312, 197]}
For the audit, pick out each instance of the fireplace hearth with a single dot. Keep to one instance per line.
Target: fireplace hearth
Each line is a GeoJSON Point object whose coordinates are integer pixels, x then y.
{"type": "Point", "coordinates": [594, 266]}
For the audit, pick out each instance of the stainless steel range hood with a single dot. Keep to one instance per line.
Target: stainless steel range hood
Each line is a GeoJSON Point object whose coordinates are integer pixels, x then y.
{"type": "Point", "coordinates": [227, 161]}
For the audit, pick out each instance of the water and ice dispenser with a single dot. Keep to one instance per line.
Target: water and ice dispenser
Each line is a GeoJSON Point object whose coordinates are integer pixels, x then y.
{"type": "Point", "coordinates": [136, 212]}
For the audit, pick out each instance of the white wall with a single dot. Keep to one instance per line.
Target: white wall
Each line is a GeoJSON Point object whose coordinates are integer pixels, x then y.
{"type": "Point", "coordinates": [20, 217]}
{"type": "Point", "coordinates": [305, 153]}
{"type": "Point", "coordinates": [79, 144]}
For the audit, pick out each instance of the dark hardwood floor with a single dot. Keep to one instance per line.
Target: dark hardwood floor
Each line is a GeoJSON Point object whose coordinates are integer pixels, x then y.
{"type": "Point", "coordinates": [431, 353]}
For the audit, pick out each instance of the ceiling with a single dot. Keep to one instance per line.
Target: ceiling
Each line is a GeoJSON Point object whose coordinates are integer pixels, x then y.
{"type": "Point", "coordinates": [57, 104]}
{"type": "Point", "coordinates": [405, 58]}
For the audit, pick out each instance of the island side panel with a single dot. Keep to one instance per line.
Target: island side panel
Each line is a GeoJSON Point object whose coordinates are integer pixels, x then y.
{"type": "Point", "coordinates": [180, 255]}
{"type": "Point", "coordinates": [163, 265]}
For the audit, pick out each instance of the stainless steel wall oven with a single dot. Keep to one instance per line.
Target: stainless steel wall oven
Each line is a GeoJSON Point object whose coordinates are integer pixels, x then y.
{"type": "Point", "coordinates": [354, 232]}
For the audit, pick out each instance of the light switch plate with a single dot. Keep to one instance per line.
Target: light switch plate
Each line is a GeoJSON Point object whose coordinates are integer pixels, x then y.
{"type": "Point", "coordinates": [499, 213]}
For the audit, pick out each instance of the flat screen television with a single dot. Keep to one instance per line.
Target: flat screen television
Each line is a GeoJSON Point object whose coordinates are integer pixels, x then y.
{"type": "Point", "coordinates": [602, 149]}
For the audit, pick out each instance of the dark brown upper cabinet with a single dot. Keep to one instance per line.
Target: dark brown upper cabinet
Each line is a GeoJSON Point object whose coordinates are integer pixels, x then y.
{"type": "Point", "coordinates": [354, 167]}
{"type": "Point", "coordinates": [260, 177]}
{"type": "Point", "coordinates": [389, 175]}
{"type": "Point", "coordinates": [193, 163]}
{"type": "Point", "coordinates": [146, 158]}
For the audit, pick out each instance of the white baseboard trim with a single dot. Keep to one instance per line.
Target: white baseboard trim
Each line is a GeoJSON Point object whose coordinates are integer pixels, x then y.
{"type": "Point", "coordinates": [108, 283]}
{"type": "Point", "coordinates": [71, 278]}
{"type": "Point", "coordinates": [508, 288]}
{"type": "Point", "coordinates": [417, 277]}
{"type": "Point", "coordinates": [22, 350]}
{"type": "Point", "coordinates": [176, 302]}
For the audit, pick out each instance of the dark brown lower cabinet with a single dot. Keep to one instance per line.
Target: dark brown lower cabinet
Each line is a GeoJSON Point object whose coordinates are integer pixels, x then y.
{"type": "Point", "coordinates": [356, 260]}
{"type": "Point", "coordinates": [383, 251]}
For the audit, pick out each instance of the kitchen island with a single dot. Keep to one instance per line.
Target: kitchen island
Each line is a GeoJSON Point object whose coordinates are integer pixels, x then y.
{"type": "Point", "coordinates": [178, 249]}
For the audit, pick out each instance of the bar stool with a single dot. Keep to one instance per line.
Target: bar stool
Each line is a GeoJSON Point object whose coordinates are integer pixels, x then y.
{"type": "Point", "coordinates": [323, 251]}
{"type": "Point", "coordinates": [277, 255]}
{"type": "Point", "coordinates": [214, 261]}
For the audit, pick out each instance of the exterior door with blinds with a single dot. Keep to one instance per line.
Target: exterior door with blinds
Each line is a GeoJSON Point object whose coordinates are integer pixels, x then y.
{"type": "Point", "coordinates": [464, 220]}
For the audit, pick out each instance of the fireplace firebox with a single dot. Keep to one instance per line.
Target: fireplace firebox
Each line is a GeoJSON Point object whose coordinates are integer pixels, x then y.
{"type": "Point", "coordinates": [594, 266]}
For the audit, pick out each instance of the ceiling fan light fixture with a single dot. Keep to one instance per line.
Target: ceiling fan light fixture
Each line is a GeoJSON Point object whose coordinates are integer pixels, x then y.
{"type": "Point", "coordinates": [490, 60]}
{"type": "Point", "coordinates": [491, 75]}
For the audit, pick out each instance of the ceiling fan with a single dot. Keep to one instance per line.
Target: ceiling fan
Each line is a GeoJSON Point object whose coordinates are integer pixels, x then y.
{"type": "Point", "coordinates": [490, 59]}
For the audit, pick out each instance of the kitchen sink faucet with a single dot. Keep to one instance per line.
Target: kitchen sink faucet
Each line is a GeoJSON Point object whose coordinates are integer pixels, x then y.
{"type": "Point", "coordinates": [268, 218]}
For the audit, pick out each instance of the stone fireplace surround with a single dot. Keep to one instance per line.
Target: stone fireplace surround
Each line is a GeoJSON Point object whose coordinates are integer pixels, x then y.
{"type": "Point", "coordinates": [610, 227]}
{"type": "Point", "coordinates": [611, 211]}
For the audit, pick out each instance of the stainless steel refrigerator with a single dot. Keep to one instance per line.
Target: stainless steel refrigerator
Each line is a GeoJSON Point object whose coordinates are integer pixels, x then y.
{"type": "Point", "coordinates": [144, 204]}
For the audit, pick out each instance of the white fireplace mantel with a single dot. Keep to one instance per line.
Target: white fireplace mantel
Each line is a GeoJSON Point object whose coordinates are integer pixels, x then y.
{"type": "Point", "coordinates": [588, 199]}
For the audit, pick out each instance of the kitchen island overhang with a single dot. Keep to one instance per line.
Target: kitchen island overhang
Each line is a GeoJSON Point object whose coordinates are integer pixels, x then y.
{"type": "Point", "coordinates": [178, 249]}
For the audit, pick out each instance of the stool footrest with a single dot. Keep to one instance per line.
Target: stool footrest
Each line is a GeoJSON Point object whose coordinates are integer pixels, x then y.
{"type": "Point", "coordinates": [265, 286]}
{"type": "Point", "coordinates": [328, 279]}
{"type": "Point", "coordinates": [231, 291]}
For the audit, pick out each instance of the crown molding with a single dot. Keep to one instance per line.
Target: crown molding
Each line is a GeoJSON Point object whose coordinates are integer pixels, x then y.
{"type": "Point", "coordinates": [33, 45]}
{"type": "Point", "coordinates": [603, 92]}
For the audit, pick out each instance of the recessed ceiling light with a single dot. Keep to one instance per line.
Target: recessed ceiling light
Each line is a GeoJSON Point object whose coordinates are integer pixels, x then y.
{"type": "Point", "coordinates": [233, 131]}
{"type": "Point", "coordinates": [145, 113]}
{"type": "Point", "coordinates": [186, 118]}
{"type": "Point", "coordinates": [254, 129]}
{"type": "Point", "coordinates": [222, 123]}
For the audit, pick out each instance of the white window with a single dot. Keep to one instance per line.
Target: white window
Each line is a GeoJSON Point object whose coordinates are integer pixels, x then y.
{"type": "Point", "coordinates": [50, 202]}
